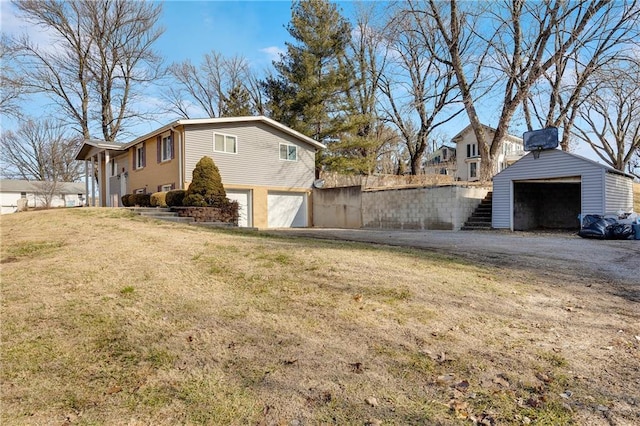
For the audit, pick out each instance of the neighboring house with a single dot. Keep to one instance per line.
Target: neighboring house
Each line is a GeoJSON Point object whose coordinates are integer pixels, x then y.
{"type": "Point", "coordinates": [267, 167]}
{"type": "Point", "coordinates": [37, 193]}
{"type": "Point", "coordinates": [468, 154]}
{"type": "Point", "coordinates": [442, 161]}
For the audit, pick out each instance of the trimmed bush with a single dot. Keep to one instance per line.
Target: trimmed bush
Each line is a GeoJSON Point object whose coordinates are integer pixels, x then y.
{"type": "Point", "coordinates": [158, 199]}
{"type": "Point", "coordinates": [142, 200]}
{"type": "Point", "coordinates": [126, 200]}
{"type": "Point", "coordinates": [175, 197]}
{"type": "Point", "coordinates": [206, 186]}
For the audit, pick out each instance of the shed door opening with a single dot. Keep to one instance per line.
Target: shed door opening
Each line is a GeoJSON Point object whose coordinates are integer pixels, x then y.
{"type": "Point", "coordinates": [546, 205]}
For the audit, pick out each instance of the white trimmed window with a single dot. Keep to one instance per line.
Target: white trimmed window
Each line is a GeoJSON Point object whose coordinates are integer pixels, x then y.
{"type": "Point", "coordinates": [139, 161]}
{"type": "Point", "coordinates": [473, 170]}
{"type": "Point", "coordinates": [166, 148]}
{"type": "Point", "coordinates": [139, 191]}
{"type": "Point", "coordinates": [288, 152]}
{"type": "Point", "coordinates": [225, 143]}
{"type": "Point", "coordinates": [166, 188]}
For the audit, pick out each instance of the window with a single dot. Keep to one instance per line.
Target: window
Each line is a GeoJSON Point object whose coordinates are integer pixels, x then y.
{"type": "Point", "coordinates": [468, 150]}
{"type": "Point", "coordinates": [166, 148]}
{"type": "Point", "coordinates": [140, 191]}
{"type": "Point", "coordinates": [166, 188]}
{"type": "Point", "coordinates": [139, 160]}
{"type": "Point", "coordinates": [23, 195]}
{"type": "Point", "coordinates": [288, 152]}
{"type": "Point", "coordinates": [473, 170]}
{"type": "Point", "coordinates": [225, 143]}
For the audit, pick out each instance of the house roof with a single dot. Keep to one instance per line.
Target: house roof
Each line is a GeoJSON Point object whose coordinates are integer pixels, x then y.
{"type": "Point", "coordinates": [469, 128]}
{"type": "Point", "coordinates": [88, 144]}
{"type": "Point", "coordinates": [11, 185]}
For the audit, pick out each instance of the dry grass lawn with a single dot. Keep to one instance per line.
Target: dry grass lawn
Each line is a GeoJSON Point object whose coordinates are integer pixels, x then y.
{"type": "Point", "coordinates": [113, 319]}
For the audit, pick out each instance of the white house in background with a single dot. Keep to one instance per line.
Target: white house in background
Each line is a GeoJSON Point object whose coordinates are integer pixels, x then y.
{"type": "Point", "coordinates": [468, 154]}
{"type": "Point", "coordinates": [61, 194]}
{"type": "Point", "coordinates": [442, 161]}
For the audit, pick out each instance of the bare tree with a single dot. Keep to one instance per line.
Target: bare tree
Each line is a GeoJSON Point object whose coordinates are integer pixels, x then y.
{"type": "Point", "coordinates": [12, 87]}
{"type": "Point", "coordinates": [100, 60]}
{"type": "Point", "coordinates": [40, 150]}
{"type": "Point", "coordinates": [416, 85]}
{"type": "Point", "coordinates": [610, 117]}
{"type": "Point", "coordinates": [211, 84]}
{"type": "Point", "coordinates": [521, 45]}
{"type": "Point", "coordinates": [556, 99]}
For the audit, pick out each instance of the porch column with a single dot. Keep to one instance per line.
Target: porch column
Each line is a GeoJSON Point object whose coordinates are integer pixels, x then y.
{"type": "Point", "coordinates": [86, 182]}
{"type": "Point", "coordinates": [107, 179]}
{"type": "Point", "coordinates": [93, 181]}
{"type": "Point", "coordinates": [100, 182]}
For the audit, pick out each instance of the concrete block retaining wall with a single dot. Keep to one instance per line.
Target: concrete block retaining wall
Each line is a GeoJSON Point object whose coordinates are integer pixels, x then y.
{"type": "Point", "coordinates": [442, 207]}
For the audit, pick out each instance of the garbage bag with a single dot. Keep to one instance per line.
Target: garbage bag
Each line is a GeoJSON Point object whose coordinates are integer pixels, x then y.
{"type": "Point", "coordinates": [619, 231]}
{"type": "Point", "coordinates": [595, 226]}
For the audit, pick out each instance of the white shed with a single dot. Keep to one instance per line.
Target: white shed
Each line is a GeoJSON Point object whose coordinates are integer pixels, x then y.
{"type": "Point", "coordinates": [552, 190]}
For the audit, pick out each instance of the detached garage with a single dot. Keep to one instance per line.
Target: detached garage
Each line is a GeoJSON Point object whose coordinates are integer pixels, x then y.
{"type": "Point", "coordinates": [551, 191]}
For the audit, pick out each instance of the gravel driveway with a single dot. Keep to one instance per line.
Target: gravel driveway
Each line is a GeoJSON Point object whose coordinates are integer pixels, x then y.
{"type": "Point", "coordinates": [616, 261]}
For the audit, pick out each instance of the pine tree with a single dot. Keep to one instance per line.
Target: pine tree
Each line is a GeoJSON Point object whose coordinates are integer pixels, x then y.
{"type": "Point", "coordinates": [237, 103]}
{"type": "Point", "coordinates": [309, 91]}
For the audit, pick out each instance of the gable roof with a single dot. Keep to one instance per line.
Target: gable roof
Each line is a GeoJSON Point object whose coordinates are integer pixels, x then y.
{"type": "Point", "coordinates": [560, 154]}
{"type": "Point", "coordinates": [469, 128]}
{"type": "Point", "coordinates": [93, 143]}
{"type": "Point", "coordinates": [12, 185]}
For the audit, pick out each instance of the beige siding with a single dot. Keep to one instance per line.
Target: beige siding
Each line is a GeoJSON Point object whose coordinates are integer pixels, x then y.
{"type": "Point", "coordinates": [153, 173]}
{"type": "Point", "coordinates": [257, 161]}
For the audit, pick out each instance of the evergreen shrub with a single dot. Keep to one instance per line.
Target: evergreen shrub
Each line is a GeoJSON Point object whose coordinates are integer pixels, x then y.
{"type": "Point", "coordinates": [206, 186]}
{"type": "Point", "coordinates": [175, 197]}
{"type": "Point", "coordinates": [158, 199]}
{"type": "Point", "coordinates": [142, 200]}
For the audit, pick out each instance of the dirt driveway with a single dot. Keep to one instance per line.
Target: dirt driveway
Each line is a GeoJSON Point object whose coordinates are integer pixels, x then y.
{"type": "Point", "coordinates": [617, 262]}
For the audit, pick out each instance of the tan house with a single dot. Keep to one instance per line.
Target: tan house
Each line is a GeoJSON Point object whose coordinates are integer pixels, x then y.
{"type": "Point", "coordinates": [267, 167]}
{"type": "Point", "coordinates": [468, 154]}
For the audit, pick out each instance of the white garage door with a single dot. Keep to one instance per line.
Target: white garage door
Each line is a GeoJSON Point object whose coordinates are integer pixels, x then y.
{"type": "Point", "coordinates": [286, 210]}
{"type": "Point", "coordinates": [244, 202]}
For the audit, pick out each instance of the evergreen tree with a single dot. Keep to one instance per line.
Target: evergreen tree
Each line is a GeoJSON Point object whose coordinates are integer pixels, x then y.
{"type": "Point", "coordinates": [237, 103]}
{"type": "Point", "coordinates": [309, 91]}
{"type": "Point", "coordinates": [206, 187]}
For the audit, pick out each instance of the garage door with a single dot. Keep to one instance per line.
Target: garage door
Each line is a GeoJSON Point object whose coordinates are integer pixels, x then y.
{"type": "Point", "coordinates": [244, 202]}
{"type": "Point", "coordinates": [286, 210]}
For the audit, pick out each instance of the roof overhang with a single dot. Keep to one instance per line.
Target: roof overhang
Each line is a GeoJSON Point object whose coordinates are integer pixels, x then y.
{"type": "Point", "coordinates": [91, 145]}
{"type": "Point", "coordinates": [227, 120]}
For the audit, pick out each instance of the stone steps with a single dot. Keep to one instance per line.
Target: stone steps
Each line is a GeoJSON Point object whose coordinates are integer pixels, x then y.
{"type": "Point", "coordinates": [480, 219]}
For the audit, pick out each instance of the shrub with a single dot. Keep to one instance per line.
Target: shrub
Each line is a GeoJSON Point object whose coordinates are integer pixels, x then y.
{"type": "Point", "coordinates": [175, 197]}
{"type": "Point", "coordinates": [158, 199]}
{"type": "Point", "coordinates": [142, 200]}
{"type": "Point", "coordinates": [206, 185]}
{"type": "Point", "coordinates": [126, 200]}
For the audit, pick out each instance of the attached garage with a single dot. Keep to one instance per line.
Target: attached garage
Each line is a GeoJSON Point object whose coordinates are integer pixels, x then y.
{"type": "Point", "coordinates": [551, 191]}
{"type": "Point", "coordinates": [243, 197]}
{"type": "Point", "coordinates": [287, 210]}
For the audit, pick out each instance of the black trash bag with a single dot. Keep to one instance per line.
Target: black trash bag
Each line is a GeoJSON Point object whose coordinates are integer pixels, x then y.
{"type": "Point", "coordinates": [619, 231]}
{"type": "Point", "coordinates": [594, 226]}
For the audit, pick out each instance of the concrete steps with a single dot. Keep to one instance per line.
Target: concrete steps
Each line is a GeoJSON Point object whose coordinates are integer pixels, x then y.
{"type": "Point", "coordinates": [480, 219]}
{"type": "Point", "coordinates": [160, 214]}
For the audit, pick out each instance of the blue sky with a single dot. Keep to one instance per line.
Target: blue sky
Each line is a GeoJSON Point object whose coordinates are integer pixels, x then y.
{"type": "Point", "coordinates": [255, 30]}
